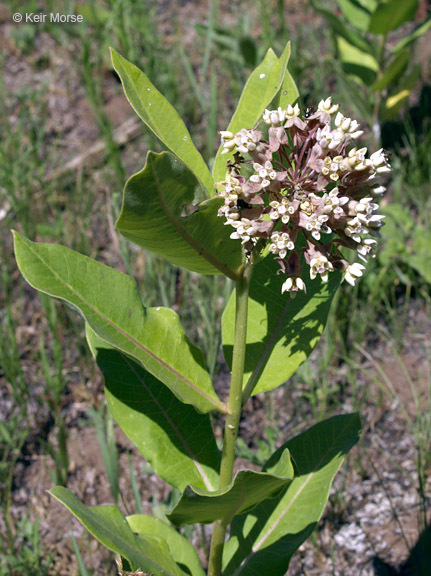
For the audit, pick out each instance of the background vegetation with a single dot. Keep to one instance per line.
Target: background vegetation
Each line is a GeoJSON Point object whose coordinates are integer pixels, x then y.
{"type": "Point", "coordinates": [68, 141]}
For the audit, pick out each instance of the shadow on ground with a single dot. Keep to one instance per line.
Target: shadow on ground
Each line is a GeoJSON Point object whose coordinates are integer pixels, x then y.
{"type": "Point", "coordinates": [417, 564]}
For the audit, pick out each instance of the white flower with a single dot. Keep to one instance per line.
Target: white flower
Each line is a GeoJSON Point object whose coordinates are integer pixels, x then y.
{"type": "Point", "coordinates": [347, 126]}
{"type": "Point", "coordinates": [293, 284]}
{"type": "Point", "coordinates": [365, 247]}
{"type": "Point", "coordinates": [281, 243]}
{"type": "Point", "coordinates": [356, 159]}
{"type": "Point", "coordinates": [316, 224]}
{"type": "Point", "coordinates": [377, 190]}
{"type": "Point", "coordinates": [246, 140]}
{"type": "Point", "coordinates": [327, 106]}
{"type": "Point", "coordinates": [292, 111]}
{"type": "Point", "coordinates": [322, 266]}
{"type": "Point", "coordinates": [244, 229]}
{"type": "Point", "coordinates": [280, 210]}
{"type": "Point", "coordinates": [333, 203]}
{"type": "Point", "coordinates": [332, 167]}
{"type": "Point", "coordinates": [331, 139]}
{"type": "Point", "coordinates": [353, 272]}
{"type": "Point", "coordinates": [227, 141]}
{"type": "Point", "coordinates": [274, 117]}
{"type": "Point", "coordinates": [365, 207]}
{"type": "Point", "coordinates": [354, 228]}
{"type": "Point", "coordinates": [379, 162]}
{"type": "Point", "coordinates": [264, 175]}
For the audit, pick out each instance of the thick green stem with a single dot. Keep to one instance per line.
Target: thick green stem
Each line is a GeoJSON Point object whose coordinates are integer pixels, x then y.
{"type": "Point", "coordinates": [234, 414]}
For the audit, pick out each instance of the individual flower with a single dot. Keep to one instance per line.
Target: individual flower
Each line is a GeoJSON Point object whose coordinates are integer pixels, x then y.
{"type": "Point", "coordinates": [297, 184]}
{"type": "Point", "coordinates": [328, 107]}
{"type": "Point", "coordinates": [274, 117]}
{"type": "Point", "coordinates": [293, 285]}
{"type": "Point", "coordinates": [320, 265]}
{"type": "Point", "coordinates": [264, 174]}
{"type": "Point", "coordinates": [353, 272]}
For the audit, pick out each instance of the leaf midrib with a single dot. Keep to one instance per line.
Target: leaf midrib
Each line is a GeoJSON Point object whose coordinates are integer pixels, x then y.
{"type": "Point", "coordinates": [274, 525]}
{"type": "Point", "coordinates": [174, 428]}
{"type": "Point", "coordinates": [198, 248]}
{"type": "Point", "coordinates": [217, 405]}
{"type": "Point", "coordinates": [114, 535]}
{"type": "Point", "coordinates": [147, 119]}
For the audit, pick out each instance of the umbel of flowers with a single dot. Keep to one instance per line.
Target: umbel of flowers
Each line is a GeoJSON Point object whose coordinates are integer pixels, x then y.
{"type": "Point", "coordinates": [302, 176]}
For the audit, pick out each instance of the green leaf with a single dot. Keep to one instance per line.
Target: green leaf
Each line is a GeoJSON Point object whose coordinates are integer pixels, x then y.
{"type": "Point", "coordinates": [153, 217]}
{"type": "Point", "coordinates": [110, 527]}
{"type": "Point", "coordinates": [390, 14]}
{"type": "Point", "coordinates": [247, 489]}
{"type": "Point", "coordinates": [413, 36]}
{"type": "Point", "coordinates": [369, 5]}
{"type": "Point", "coordinates": [393, 72]}
{"type": "Point", "coordinates": [281, 331]}
{"type": "Point", "coordinates": [420, 258]}
{"type": "Point", "coordinates": [403, 240]}
{"type": "Point", "coordinates": [261, 88]}
{"type": "Point", "coordinates": [288, 93]}
{"type": "Point", "coordinates": [110, 303]}
{"type": "Point", "coordinates": [176, 440]}
{"type": "Point", "coordinates": [356, 63]}
{"type": "Point", "coordinates": [395, 234]}
{"type": "Point", "coordinates": [274, 530]}
{"type": "Point", "coordinates": [161, 118]}
{"type": "Point", "coordinates": [355, 13]}
{"type": "Point", "coordinates": [180, 549]}
{"type": "Point", "coordinates": [398, 99]}
{"type": "Point", "coordinates": [340, 29]}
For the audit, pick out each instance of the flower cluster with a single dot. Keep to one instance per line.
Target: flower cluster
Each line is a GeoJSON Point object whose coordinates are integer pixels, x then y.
{"type": "Point", "coordinates": [301, 176]}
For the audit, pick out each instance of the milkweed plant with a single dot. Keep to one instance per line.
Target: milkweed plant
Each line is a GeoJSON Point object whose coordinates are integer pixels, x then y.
{"type": "Point", "coordinates": [290, 195]}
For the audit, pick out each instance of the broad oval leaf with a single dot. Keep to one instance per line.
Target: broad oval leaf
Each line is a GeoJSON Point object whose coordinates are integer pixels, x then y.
{"type": "Point", "coordinates": [110, 527]}
{"type": "Point", "coordinates": [246, 490]}
{"type": "Point", "coordinates": [180, 549]}
{"type": "Point", "coordinates": [176, 440]}
{"type": "Point", "coordinates": [110, 302]}
{"type": "Point", "coordinates": [281, 331]}
{"type": "Point", "coordinates": [357, 63]}
{"type": "Point", "coordinates": [288, 93]}
{"type": "Point", "coordinates": [274, 530]}
{"type": "Point", "coordinates": [261, 88]}
{"type": "Point", "coordinates": [153, 216]}
{"type": "Point", "coordinates": [355, 13]}
{"type": "Point", "coordinates": [390, 14]}
{"type": "Point", "coordinates": [161, 118]}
